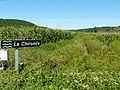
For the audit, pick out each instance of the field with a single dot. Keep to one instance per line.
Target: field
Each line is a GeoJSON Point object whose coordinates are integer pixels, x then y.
{"type": "Point", "coordinates": [84, 62]}
{"type": "Point", "coordinates": [64, 61]}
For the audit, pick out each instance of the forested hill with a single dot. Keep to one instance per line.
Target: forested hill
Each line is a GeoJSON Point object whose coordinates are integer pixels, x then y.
{"type": "Point", "coordinates": [99, 29]}
{"type": "Point", "coordinates": [15, 22]}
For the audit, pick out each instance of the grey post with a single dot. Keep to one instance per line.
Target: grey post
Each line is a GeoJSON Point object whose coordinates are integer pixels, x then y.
{"type": "Point", "coordinates": [16, 59]}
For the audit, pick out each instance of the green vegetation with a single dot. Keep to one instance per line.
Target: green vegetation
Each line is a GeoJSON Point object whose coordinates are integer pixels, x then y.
{"type": "Point", "coordinates": [14, 22]}
{"type": "Point", "coordinates": [65, 61]}
{"type": "Point", "coordinates": [108, 39]}
{"type": "Point", "coordinates": [44, 34]}
{"type": "Point", "coordinates": [35, 33]}
{"type": "Point", "coordinates": [99, 29]}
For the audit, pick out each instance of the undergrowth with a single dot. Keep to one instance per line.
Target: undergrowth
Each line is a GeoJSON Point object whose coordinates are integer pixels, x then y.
{"type": "Point", "coordinates": [82, 63]}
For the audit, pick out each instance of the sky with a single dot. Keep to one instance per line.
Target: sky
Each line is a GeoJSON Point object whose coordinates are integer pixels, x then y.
{"type": "Point", "coordinates": [63, 14]}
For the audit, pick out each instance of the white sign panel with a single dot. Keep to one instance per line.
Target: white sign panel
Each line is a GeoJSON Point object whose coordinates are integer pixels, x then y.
{"type": "Point", "coordinates": [3, 55]}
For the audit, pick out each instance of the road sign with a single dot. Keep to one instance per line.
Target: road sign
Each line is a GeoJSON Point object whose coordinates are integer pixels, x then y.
{"type": "Point", "coordinates": [19, 43]}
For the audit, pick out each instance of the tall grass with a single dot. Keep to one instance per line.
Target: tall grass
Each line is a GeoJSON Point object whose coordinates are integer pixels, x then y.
{"type": "Point", "coordinates": [108, 39]}
{"type": "Point", "coordinates": [34, 33]}
{"type": "Point", "coordinates": [64, 65]}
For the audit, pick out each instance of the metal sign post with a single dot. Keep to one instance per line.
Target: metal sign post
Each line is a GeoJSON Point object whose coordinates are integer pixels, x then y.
{"type": "Point", "coordinates": [16, 60]}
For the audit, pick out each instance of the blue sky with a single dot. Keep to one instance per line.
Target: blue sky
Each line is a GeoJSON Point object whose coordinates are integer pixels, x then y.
{"type": "Point", "coordinates": [64, 14]}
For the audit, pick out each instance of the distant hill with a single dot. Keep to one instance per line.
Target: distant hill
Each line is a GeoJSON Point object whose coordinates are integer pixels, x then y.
{"type": "Point", "coordinates": [99, 29]}
{"type": "Point", "coordinates": [15, 22]}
